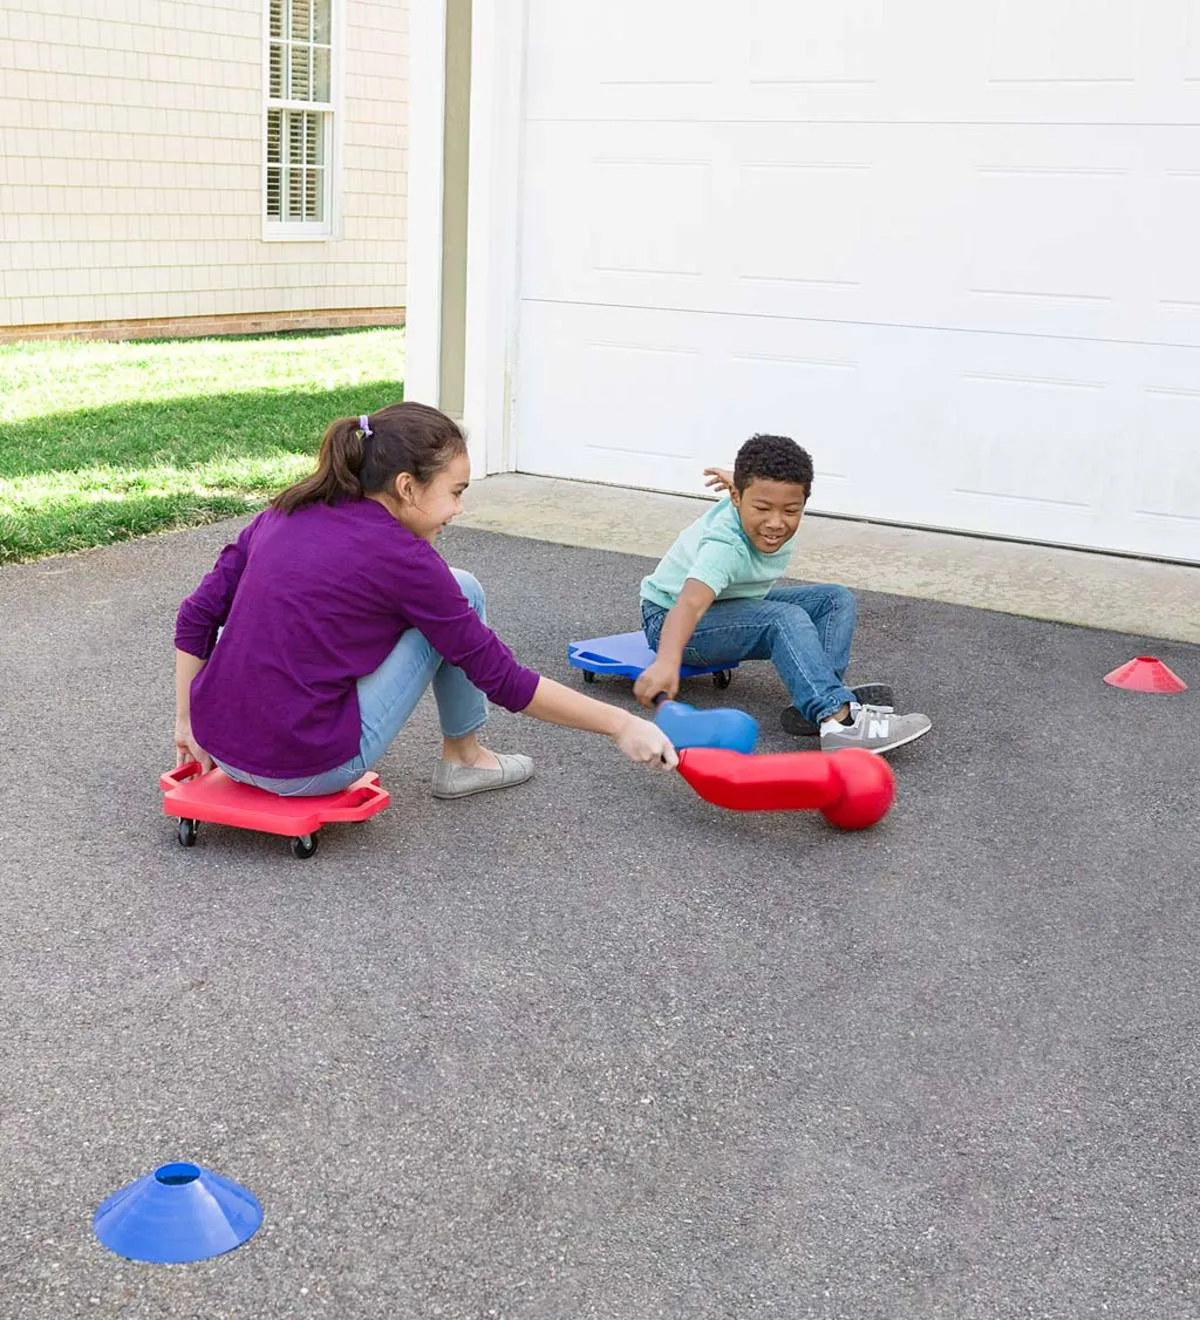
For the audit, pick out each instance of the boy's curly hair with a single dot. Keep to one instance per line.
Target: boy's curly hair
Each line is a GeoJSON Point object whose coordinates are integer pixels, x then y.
{"type": "Point", "coordinates": [773, 458]}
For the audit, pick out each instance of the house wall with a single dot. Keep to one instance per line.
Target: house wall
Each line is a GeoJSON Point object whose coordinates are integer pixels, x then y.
{"type": "Point", "coordinates": [131, 172]}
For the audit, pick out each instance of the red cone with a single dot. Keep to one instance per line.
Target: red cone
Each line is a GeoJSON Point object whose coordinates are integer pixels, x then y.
{"type": "Point", "coordinates": [1145, 673]}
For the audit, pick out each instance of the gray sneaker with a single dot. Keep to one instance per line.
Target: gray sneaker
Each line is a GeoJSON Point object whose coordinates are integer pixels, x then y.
{"type": "Point", "coordinates": [866, 694]}
{"type": "Point", "coordinates": [877, 729]}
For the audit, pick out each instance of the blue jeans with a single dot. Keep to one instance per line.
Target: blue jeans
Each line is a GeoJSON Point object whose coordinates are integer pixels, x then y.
{"type": "Point", "coordinates": [387, 697]}
{"type": "Point", "coordinates": [805, 631]}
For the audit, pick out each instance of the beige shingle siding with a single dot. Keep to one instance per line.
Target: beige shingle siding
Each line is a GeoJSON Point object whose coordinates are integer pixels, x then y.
{"type": "Point", "coordinates": [131, 165]}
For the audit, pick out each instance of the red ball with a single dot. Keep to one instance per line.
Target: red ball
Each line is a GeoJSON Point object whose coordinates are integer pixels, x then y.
{"type": "Point", "coordinates": [868, 788]}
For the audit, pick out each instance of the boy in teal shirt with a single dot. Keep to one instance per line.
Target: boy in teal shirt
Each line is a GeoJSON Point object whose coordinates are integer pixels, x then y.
{"type": "Point", "coordinates": [712, 600]}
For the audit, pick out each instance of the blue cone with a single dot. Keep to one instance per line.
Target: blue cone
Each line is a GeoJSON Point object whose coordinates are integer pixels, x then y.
{"type": "Point", "coordinates": [178, 1213]}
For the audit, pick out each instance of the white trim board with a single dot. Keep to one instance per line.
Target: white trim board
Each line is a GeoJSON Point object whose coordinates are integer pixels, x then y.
{"type": "Point", "coordinates": [493, 228]}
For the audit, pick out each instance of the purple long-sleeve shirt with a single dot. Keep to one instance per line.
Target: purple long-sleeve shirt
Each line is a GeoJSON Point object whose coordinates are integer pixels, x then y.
{"type": "Point", "coordinates": [310, 602]}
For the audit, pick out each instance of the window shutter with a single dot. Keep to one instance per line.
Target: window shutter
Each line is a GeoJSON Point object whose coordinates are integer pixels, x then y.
{"type": "Point", "coordinates": [299, 70]}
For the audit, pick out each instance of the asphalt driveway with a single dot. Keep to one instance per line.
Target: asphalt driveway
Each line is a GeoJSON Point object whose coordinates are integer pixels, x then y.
{"type": "Point", "coordinates": [593, 1048]}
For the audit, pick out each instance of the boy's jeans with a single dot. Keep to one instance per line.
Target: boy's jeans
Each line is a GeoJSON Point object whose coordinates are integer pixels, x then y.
{"type": "Point", "coordinates": [804, 630]}
{"type": "Point", "coordinates": [387, 698]}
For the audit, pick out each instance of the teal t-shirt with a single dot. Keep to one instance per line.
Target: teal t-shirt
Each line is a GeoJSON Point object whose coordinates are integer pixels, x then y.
{"type": "Point", "coordinates": [716, 551]}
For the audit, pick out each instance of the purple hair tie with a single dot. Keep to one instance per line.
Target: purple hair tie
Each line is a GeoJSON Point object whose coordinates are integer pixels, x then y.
{"type": "Point", "coordinates": [363, 425]}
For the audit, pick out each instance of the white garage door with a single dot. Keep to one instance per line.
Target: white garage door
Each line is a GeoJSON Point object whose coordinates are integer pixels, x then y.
{"type": "Point", "coordinates": [953, 248]}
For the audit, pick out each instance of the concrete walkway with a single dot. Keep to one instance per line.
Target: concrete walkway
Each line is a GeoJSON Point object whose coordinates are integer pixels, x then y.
{"type": "Point", "coordinates": [1067, 586]}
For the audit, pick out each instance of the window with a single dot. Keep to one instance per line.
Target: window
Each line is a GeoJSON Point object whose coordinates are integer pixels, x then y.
{"type": "Point", "coordinates": [299, 127]}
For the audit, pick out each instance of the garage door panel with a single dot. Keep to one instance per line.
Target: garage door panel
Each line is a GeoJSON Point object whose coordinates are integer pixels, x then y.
{"type": "Point", "coordinates": [1063, 228]}
{"type": "Point", "coordinates": [804, 46]}
{"type": "Point", "coordinates": [1174, 261]}
{"type": "Point", "coordinates": [941, 61]}
{"type": "Point", "coordinates": [647, 217]}
{"type": "Point", "coordinates": [620, 59]}
{"type": "Point", "coordinates": [1083, 232]}
{"type": "Point", "coordinates": [1165, 482]}
{"type": "Point", "coordinates": [1030, 438]}
{"type": "Point", "coordinates": [1061, 41]}
{"type": "Point", "coordinates": [932, 241]}
{"type": "Point", "coordinates": [767, 391]}
{"type": "Point", "coordinates": [1059, 441]}
{"type": "Point", "coordinates": [802, 223]}
{"type": "Point", "coordinates": [655, 382]}
{"type": "Point", "coordinates": [602, 395]}
{"type": "Point", "coordinates": [657, 45]}
{"type": "Point", "coordinates": [1089, 444]}
{"type": "Point", "coordinates": [606, 206]}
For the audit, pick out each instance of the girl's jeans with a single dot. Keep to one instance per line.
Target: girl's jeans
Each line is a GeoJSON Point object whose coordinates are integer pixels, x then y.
{"type": "Point", "coordinates": [805, 631]}
{"type": "Point", "coordinates": [387, 698]}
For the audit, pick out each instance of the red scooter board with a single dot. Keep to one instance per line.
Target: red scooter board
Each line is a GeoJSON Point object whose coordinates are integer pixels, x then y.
{"type": "Point", "coordinates": [853, 789]}
{"type": "Point", "coordinates": [212, 796]}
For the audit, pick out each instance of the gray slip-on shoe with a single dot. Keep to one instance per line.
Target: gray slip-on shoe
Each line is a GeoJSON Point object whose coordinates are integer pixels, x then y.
{"type": "Point", "coordinates": [459, 781]}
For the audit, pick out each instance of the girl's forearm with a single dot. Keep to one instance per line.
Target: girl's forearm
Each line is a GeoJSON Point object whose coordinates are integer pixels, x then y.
{"type": "Point", "coordinates": [186, 668]}
{"type": "Point", "coordinates": [557, 704]}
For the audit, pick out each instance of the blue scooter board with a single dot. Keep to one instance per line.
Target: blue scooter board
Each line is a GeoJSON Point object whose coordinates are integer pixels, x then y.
{"type": "Point", "coordinates": [625, 655]}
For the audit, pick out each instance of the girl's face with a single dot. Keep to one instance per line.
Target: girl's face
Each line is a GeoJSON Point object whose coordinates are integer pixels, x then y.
{"type": "Point", "coordinates": [426, 509]}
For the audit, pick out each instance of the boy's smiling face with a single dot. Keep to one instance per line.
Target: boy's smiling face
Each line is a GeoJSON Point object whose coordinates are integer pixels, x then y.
{"type": "Point", "coordinates": [770, 511]}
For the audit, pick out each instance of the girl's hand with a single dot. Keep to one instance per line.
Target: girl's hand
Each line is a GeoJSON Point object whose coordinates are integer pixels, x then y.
{"type": "Point", "coordinates": [720, 478]}
{"type": "Point", "coordinates": [646, 744]}
{"type": "Point", "coordinates": [187, 748]}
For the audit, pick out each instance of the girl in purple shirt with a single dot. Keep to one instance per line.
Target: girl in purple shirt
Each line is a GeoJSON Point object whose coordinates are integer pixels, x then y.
{"type": "Point", "coordinates": [335, 613]}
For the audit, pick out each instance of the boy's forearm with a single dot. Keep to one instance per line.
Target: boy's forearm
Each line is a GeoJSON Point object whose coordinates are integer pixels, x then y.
{"type": "Point", "coordinates": [677, 631]}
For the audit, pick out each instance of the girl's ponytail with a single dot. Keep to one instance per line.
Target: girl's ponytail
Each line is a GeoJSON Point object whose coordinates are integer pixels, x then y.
{"type": "Point", "coordinates": [338, 466]}
{"type": "Point", "coordinates": [364, 455]}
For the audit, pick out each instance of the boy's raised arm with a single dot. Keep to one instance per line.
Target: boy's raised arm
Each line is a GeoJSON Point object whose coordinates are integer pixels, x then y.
{"type": "Point", "coordinates": [663, 675]}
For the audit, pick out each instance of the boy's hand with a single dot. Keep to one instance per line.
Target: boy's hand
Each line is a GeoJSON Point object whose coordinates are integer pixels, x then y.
{"type": "Point", "coordinates": [660, 677]}
{"type": "Point", "coordinates": [720, 478]}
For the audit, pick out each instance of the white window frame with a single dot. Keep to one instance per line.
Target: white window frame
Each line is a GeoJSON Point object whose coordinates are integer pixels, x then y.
{"type": "Point", "coordinates": [305, 231]}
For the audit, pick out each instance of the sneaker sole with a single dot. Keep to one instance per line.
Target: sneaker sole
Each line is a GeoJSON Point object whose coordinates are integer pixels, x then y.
{"type": "Point", "coordinates": [891, 747]}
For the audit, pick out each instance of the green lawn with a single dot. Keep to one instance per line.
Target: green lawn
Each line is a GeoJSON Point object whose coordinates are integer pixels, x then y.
{"type": "Point", "coordinates": [102, 441]}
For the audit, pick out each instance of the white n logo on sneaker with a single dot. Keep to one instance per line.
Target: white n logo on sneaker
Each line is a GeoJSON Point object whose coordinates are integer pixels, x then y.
{"type": "Point", "coordinates": [877, 728]}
